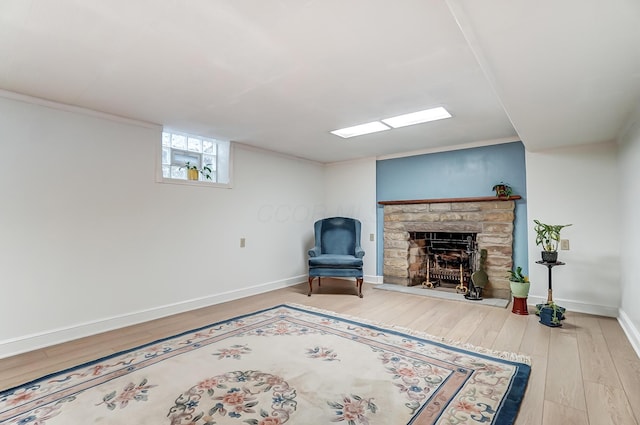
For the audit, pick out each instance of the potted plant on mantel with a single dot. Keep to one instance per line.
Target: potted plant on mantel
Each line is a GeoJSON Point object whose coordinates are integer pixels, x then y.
{"type": "Point", "coordinates": [193, 172]}
{"type": "Point", "coordinates": [520, 285]}
{"type": "Point", "coordinates": [548, 235]}
{"type": "Point", "coordinates": [503, 190]}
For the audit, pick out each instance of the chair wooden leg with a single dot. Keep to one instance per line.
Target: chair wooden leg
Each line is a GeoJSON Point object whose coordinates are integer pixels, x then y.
{"type": "Point", "coordinates": [310, 286]}
{"type": "Point", "coordinates": [359, 285]}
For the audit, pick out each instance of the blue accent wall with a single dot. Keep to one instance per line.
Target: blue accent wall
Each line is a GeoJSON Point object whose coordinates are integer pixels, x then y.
{"type": "Point", "coordinates": [457, 174]}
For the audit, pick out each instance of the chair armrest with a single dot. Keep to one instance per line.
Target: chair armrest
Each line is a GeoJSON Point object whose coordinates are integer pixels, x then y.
{"type": "Point", "coordinates": [359, 252]}
{"type": "Point", "coordinates": [314, 252]}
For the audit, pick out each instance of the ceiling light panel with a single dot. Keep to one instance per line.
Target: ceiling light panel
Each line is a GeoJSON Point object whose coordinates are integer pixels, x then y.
{"type": "Point", "coordinates": [419, 117]}
{"type": "Point", "coordinates": [358, 130]}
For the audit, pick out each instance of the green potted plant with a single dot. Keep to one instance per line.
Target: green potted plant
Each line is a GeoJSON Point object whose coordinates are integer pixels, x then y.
{"type": "Point", "coordinates": [503, 190]}
{"type": "Point", "coordinates": [548, 236]}
{"type": "Point", "coordinates": [193, 172]}
{"type": "Point", "coordinates": [550, 314]}
{"type": "Point", "coordinates": [520, 285]}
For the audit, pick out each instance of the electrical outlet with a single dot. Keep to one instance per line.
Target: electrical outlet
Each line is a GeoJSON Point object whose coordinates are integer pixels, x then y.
{"type": "Point", "coordinates": [242, 242]}
{"type": "Point", "coordinates": [372, 237]}
{"type": "Point", "coordinates": [564, 244]}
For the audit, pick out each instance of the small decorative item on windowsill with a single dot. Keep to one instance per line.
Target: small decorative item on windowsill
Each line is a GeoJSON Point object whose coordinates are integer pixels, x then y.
{"type": "Point", "coordinates": [548, 235]}
{"type": "Point", "coordinates": [503, 190]}
{"type": "Point", "coordinates": [193, 172]}
{"type": "Point", "coordinates": [520, 285]}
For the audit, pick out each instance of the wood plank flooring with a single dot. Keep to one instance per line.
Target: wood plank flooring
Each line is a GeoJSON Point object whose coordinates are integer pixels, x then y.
{"type": "Point", "coordinates": [585, 373]}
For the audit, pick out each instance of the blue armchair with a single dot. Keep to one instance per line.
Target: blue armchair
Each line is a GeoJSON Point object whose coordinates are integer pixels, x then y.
{"type": "Point", "coordinates": [337, 251]}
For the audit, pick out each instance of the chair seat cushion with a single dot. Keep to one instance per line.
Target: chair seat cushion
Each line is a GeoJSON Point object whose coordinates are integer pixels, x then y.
{"type": "Point", "coordinates": [336, 261]}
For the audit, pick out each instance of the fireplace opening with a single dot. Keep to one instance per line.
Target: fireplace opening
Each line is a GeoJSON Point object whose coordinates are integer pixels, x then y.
{"type": "Point", "coordinates": [442, 259]}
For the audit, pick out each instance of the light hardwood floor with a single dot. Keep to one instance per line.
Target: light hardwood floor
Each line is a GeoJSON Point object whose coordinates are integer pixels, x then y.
{"type": "Point", "coordinates": [583, 373]}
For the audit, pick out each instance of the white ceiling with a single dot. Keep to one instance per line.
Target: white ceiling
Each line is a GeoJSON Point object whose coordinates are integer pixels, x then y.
{"type": "Point", "coordinates": [281, 74]}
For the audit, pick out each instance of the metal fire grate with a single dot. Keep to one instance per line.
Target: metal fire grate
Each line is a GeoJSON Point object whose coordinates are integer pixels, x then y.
{"type": "Point", "coordinates": [447, 260]}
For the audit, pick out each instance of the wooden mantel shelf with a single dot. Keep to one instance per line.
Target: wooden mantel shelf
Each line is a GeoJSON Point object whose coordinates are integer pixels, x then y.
{"type": "Point", "coordinates": [444, 200]}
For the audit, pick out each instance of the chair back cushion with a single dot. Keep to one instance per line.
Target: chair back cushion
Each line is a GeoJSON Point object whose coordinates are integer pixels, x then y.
{"type": "Point", "coordinates": [338, 236]}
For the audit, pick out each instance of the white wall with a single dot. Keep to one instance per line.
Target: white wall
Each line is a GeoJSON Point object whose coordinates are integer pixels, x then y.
{"type": "Point", "coordinates": [350, 191]}
{"type": "Point", "coordinates": [629, 163]}
{"type": "Point", "coordinates": [89, 241]}
{"type": "Point", "coordinates": [577, 185]}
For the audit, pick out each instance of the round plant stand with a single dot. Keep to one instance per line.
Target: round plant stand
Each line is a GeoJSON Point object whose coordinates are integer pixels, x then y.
{"type": "Point", "coordinates": [539, 307]}
{"type": "Point", "coordinates": [549, 267]}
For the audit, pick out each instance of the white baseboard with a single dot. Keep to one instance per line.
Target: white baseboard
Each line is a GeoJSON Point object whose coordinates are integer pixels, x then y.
{"type": "Point", "coordinates": [13, 346]}
{"type": "Point", "coordinates": [578, 306]}
{"type": "Point", "coordinates": [633, 333]}
{"type": "Point", "coordinates": [374, 279]}
{"type": "Point", "coordinates": [10, 347]}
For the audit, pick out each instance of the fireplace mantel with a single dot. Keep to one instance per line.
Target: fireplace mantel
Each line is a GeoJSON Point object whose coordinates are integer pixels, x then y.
{"type": "Point", "coordinates": [444, 200]}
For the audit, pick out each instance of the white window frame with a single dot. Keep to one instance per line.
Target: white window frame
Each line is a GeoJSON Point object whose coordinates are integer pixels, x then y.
{"type": "Point", "coordinates": [224, 162]}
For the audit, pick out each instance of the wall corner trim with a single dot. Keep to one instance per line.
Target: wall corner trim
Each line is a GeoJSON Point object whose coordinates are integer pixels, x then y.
{"type": "Point", "coordinates": [633, 333]}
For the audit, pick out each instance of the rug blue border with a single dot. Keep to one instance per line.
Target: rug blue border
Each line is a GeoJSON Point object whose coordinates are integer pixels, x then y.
{"type": "Point", "coordinates": [505, 416]}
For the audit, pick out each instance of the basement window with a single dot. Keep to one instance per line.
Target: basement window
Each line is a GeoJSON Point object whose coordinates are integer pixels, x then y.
{"type": "Point", "coordinates": [196, 160]}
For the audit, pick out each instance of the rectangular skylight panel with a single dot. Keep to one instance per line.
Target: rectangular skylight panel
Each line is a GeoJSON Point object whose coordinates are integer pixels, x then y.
{"type": "Point", "coordinates": [419, 117]}
{"type": "Point", "coordinates": [358, 130]}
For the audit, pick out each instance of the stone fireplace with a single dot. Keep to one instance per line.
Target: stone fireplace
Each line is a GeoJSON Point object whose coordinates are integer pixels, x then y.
{"type": "Point", "coordinates": [488, 221]}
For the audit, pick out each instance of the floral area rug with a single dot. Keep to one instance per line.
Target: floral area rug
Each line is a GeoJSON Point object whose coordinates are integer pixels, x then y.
{"type": "Point", "coordinates": [285, 365]}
